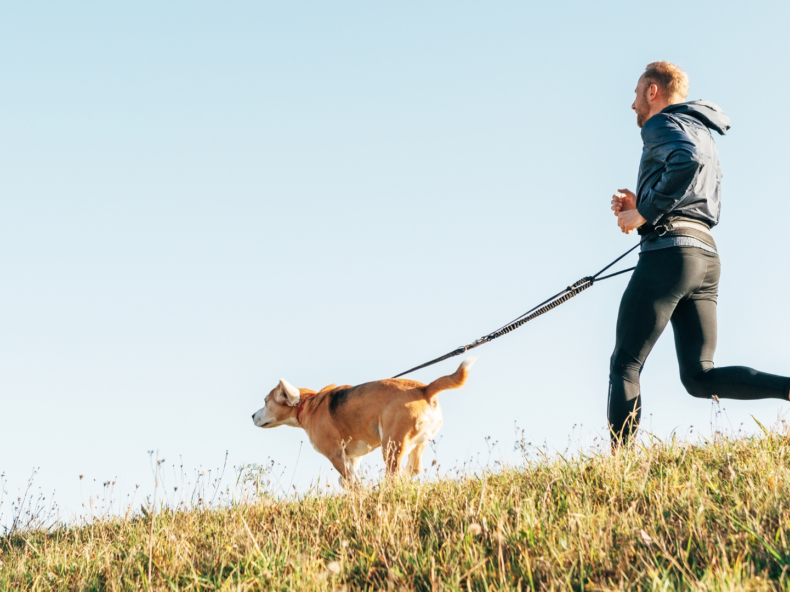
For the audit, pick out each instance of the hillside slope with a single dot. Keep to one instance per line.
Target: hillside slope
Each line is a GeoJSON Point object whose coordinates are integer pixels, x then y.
{"type": "Point", "coordinates": [667, 516]}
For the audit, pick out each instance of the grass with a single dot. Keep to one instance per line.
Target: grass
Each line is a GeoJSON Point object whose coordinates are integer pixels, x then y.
{"type": "Point", "coordinates": [661, 516]}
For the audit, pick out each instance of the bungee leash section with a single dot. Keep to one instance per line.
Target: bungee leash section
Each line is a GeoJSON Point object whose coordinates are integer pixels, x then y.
{"type": "Point", "coordinates": [542, 308]}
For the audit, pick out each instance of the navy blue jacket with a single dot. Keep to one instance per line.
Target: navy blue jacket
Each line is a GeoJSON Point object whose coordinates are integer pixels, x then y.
{"type": "Point", "coordinates": [679, 173]}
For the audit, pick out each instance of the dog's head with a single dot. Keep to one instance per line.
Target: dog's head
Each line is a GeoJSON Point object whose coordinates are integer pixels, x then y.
{"type": "Point", "coordinates": [279, 407]}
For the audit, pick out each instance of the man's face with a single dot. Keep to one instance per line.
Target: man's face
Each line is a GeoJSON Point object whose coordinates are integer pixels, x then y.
{"type": "Point", "coordinates": [641, 106]}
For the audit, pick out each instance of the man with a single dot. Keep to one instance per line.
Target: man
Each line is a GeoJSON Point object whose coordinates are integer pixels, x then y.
{"type": "Point", "coordinates": [677, 202]}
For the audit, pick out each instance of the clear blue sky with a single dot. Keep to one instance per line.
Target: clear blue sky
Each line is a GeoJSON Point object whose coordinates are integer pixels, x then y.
{"type": "Point", "coordinates": [198, 198]}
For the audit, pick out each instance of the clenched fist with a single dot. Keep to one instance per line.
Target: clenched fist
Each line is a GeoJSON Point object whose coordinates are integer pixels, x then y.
{"type": "Point", "coordinates": [624, 207]}
{"type": "Point", "coordinates": [622, 201]}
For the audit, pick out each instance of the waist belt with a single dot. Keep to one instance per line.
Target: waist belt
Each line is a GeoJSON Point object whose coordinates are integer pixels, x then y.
{"type": "Point", "coordinates": [684, 227]}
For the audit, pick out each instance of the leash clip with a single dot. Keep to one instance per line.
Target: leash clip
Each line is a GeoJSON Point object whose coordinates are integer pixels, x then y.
{"type": "Point", "coordinates": [661, 230]}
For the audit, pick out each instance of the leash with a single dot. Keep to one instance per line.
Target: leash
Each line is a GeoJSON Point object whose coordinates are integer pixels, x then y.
{"type": "Point", "coordinates": [545, 306]}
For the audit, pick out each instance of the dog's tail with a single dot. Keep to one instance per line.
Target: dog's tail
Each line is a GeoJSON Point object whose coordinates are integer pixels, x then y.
{"type": "Point", "coordinates": [453, 381]}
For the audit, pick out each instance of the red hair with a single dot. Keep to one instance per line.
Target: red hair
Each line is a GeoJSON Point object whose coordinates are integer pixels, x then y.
{"type": "Point", "coordinates": [671, 79]}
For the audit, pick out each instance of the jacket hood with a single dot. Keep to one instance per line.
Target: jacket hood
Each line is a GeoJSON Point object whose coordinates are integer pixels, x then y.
{"type": "Point", "coordinates": [708, 113]}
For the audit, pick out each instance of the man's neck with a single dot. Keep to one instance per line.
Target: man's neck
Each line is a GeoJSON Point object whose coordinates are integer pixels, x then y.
{"type": "Point", "coordinates": [657, 107]}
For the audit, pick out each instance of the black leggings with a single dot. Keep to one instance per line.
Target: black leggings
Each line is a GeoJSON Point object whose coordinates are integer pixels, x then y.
{"type": "Point", "coordinates": [678, 284]}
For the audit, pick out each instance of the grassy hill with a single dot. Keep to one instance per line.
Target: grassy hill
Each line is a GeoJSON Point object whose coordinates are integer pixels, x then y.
{"type": "Point", "coordinates": [667, 516]}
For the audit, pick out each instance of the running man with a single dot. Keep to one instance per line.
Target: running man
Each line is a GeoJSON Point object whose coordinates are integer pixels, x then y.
{"type": "Point", "coordinates": [677, 202]}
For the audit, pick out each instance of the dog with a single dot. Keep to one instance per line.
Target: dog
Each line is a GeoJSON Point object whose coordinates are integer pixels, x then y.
{"type": "Point", "coordinates": [344, 423]}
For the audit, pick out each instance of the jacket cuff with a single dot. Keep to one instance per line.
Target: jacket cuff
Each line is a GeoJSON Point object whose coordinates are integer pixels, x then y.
{"type": "Point", "coordinates": [649, 213]}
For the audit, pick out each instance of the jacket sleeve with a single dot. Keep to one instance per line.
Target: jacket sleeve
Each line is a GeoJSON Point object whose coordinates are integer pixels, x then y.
{"type": "Point", "coordinates": [680, 169]}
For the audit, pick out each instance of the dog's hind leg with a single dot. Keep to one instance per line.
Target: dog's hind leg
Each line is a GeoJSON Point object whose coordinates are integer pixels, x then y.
{"type": "Point", "coordinates": [393, 455]}
{"type": "Point", "coordinates": [414, 464]}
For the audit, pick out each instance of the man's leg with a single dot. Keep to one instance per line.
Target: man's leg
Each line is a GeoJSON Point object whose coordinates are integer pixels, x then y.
{"type": "Point", "coordinates": [694, 324]}
{"type": "Point", "coordinates": [659, 281]}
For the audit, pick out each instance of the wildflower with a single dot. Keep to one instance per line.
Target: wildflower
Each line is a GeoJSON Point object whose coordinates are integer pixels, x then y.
{"type": "Point", "coordinates": [334, 567]}
{"type": "Point", "coordinates": [474, 529]}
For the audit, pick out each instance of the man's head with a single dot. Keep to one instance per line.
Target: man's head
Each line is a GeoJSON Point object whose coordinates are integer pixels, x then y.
{"type": "Point", "coordinates": [661, 85]}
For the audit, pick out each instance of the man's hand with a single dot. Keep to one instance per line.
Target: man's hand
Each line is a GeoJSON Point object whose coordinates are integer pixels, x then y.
{"type": "Point", "coordinates": [622, 201]}
{"type": "Point", "coordinates": [630, 220]}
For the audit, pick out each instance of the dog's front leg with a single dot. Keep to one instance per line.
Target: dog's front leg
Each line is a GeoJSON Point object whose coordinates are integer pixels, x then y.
{"type": "Point", "coordinates": [347, 467]}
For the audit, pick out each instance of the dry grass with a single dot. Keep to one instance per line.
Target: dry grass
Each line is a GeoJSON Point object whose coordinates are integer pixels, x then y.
{"type": "Point", "coordinates": [666, 516]}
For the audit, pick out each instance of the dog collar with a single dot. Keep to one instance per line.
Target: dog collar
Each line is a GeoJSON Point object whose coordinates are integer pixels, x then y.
{"type": "Point", "coordinates": [301, 405]}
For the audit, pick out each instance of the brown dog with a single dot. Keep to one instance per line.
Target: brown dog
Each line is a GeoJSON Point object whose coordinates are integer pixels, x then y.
{"type": "Point", "coordinates": [345, 423]}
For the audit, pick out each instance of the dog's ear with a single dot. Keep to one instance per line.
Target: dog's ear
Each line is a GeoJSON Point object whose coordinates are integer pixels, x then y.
{"type": "Point", "coordinates": [287, 394]}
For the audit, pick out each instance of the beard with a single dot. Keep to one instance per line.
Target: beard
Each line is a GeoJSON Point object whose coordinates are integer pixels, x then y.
{"type": "Point", "coordinates": [642, 109]}
{"type": "Point", "coordinates": [641, 118]}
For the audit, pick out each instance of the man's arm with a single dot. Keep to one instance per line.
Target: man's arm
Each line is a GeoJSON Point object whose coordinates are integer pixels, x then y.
{"type": "Point", "coordinates": [664, 196]}
{"type": "Point", "coordinates": [624, 207]}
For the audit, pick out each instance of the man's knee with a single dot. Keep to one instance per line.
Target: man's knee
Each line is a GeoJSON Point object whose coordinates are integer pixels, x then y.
{"type": "Point", "coordinates": [625, 365]}
{"type": "Point", "coordinates": [694, 381]}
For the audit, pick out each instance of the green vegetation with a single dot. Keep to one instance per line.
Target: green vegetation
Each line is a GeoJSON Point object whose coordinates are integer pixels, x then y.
{"type": "Point", "coordinates": [665, 516]}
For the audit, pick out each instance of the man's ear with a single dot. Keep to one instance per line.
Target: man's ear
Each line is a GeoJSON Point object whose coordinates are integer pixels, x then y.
{"type": "Point", "coordinates": [652, 92]}
{"type": "Point", "coordinates": [287, 394]}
